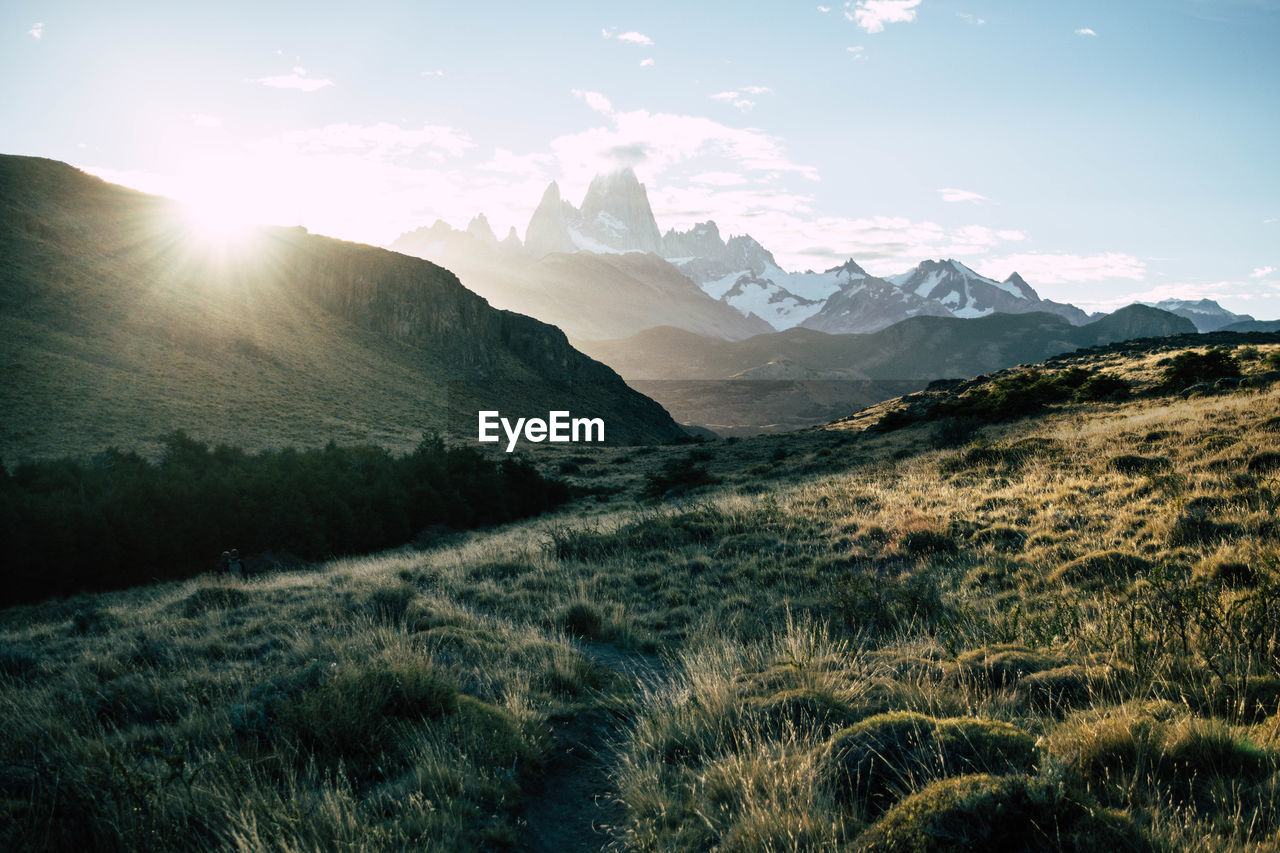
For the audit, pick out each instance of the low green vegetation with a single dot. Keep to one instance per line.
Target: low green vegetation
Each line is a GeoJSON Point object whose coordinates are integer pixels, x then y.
{"type": "Point", "coordinates": [120, 520]}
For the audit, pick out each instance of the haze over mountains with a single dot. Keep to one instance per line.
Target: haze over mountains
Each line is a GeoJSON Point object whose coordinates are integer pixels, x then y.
{"type": "Point", "coordinates": [803, 377]}
{"type": "Point", "coordinates": [615, 219]}
{"type": "Point", "coordinates": [681, 314]}
{"type": "Point", "coordinates": [119, 323]}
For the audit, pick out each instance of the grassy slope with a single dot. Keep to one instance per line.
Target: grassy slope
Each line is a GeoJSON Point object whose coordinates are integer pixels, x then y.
{"type": "Point", "coordinates": [1117, 615]}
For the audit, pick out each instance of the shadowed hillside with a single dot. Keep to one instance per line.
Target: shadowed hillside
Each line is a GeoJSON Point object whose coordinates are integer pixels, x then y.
{"type": "Point", "coordinates": [802, 377]}
{"type": "Point", "coordinates": [120, 322]}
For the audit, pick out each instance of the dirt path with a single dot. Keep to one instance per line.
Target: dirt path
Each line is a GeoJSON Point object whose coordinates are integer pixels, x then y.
{"type": "Point", "coordinates": [573, 807]}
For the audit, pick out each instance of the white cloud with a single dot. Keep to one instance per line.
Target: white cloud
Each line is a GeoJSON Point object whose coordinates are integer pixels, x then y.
{"type": "Point", "coordinates": [953, 194]}
{"type": "Point", "coordinates": [1262, 272]}
{"type": "Point", "coordinates": [595, 100]}
{"type": "Point", "coordinates": [630, 36]}
{"type": "Point", "coordinates": [646, 62]}
{"type": "Point", "coordinates": [824, 9]}
{"type": "Point", "coordinates": [735, 99]}
{"type": "Point", "coordinates": [653, 143]}
{"type": "Point", "coordinates": [436, 73]}
{"type": "Point", "coordinates": [297, 80]}
{"type": "Point", "coordinates": [36, 31]}
{"type": "Point", "coordinates": [872, 15]}
{"type": "Point", "coordinates": [856, 52]}
{"type": "Point", "coordinates": [1085, 32]}
{"type": "Point", "coordinates": [757, 90]}
{"type": "Point", "coordinates": [1065, 268]}
{"type": "Point", "coordinates": [973, 19]}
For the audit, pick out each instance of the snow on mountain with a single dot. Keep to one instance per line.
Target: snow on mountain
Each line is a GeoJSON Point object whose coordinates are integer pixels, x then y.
{"type": "Point", "coordinates": [864, 304]}
{"type": "Point", "coordinates": [961, 290]}
{"type": "Point", "coordinates": [1207, 315]}
{"type": "Point", "coordinates": [744, 274]}
{"type": "Point", "coordinates": [615, 218]}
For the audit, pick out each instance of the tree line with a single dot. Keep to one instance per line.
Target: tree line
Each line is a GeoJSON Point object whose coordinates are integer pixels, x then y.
{"type": "Point", "coordinates": [118, 519]}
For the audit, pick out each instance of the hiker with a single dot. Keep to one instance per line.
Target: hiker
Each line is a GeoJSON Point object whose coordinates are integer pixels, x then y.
{"type": "Point", "coordinates": [234, 567]}
{"type": "Point", "coordinates": [224, 563]}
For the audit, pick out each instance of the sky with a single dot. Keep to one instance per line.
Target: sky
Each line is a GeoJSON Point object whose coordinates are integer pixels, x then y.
{"type": "Point", "coordinates": [1109, 152]}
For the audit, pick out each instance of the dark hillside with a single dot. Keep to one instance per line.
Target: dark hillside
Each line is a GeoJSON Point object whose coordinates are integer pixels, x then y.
{"type": "Point", "coordinates": [119, 323]}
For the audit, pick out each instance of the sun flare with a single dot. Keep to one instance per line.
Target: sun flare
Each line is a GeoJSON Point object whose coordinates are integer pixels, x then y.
{"type": "Point", "coordinates": [216, 224]}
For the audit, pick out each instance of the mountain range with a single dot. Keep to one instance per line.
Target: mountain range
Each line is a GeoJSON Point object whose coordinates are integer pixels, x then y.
{"type": "Point", "coordinates": [556, 276]}
{"type": "Point", "coordinates": [120, 323]}
{"type": "Point", "coordinates": [802, 377]}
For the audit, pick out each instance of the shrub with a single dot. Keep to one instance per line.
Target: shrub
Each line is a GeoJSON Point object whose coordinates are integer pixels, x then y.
{"type": "Point", "coordinates": [1231, 573]}
{"type": "Point", "coordinates": [1001, 666]}
{"type": "Point", "coordinates": [1186, 758]}
{"type": "Point", "coordinates": [1196, 528]}
{"type": "Point", "coordinates": [1066, 687]}
{"type": "Point", "coordinates": [881, 759]}
{"type": "Point", "coordinates": [1102, 386]}
{"type": "Point", "coordinates": [352, 714]}
{"type": "Point", "coordinates": [805, 708]}
{"type": "Point", "coordinates": [1131, 463]}
{"type": "Point", "coordinates": [1190, 367]}
{"type": "Point", "coordinates": [677, 477]}
{"type": "Point", "coordinates": [1110, 568]}
{"type": "Point", "coordinates": [1011, 813]}
{"type": "Point", "coordinates": [1264, 463]}
{"type": "Point", "coordinates": [922, 543]}
{"type": "Point", "coordinates": [864, 603]}
{"type": "Point", "coordinates": [582, 619]}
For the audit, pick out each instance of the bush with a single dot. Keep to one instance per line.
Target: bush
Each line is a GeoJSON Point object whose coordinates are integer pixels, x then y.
{"type": "Point", "coordinates": [677, 477]}
{"type": "Point", "coordinates": [582, 619]}
{"type": "Point", "coordinates": [803, 708]}
{"type": "Point", "coordinates": [352, 714]}
{"type": "Point", "coordinates": [1109, 568]}
{"type": "Point", "coordinates": [1187, 759]}
{"type": "Point", "coordinates": [1264, 463]}
{"type": "Point", "coordinates": [920, 543]}
{"type": "Point", "coordinates": [1131, 463]}
{"type": "Point", "coordinates": [1102, 386]}
{"type": "Point", "coordinates": [1011, 813]}
{"type": "Point", "coordinates": [883, 758]}
{"type": "Point", "coordinates": [1190, 367]}
{"type": "Point", "coordinates": [1002, 666]}
{"type": "Point", "coordinates": [1065, 687]}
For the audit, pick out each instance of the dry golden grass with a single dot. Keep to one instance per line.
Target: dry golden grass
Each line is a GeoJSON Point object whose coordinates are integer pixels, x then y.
{"type": "Point", "coordinates": [1121, 616]}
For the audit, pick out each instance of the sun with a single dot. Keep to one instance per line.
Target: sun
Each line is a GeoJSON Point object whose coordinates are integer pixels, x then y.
{"type": "Point", "coordinates": [216, 223]}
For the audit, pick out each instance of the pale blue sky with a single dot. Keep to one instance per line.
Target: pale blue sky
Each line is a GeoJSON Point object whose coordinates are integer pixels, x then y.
{"type": "Point", "coordinates": [1107, 151]}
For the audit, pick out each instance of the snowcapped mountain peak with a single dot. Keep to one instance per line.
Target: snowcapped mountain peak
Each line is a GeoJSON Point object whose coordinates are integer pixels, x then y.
{"type": "Point", "coordinates": [615, 217]}
{"type": "Point", "coordinates": [851, 270]}
{"type": "Point", "coordinates": [1207, 314]}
